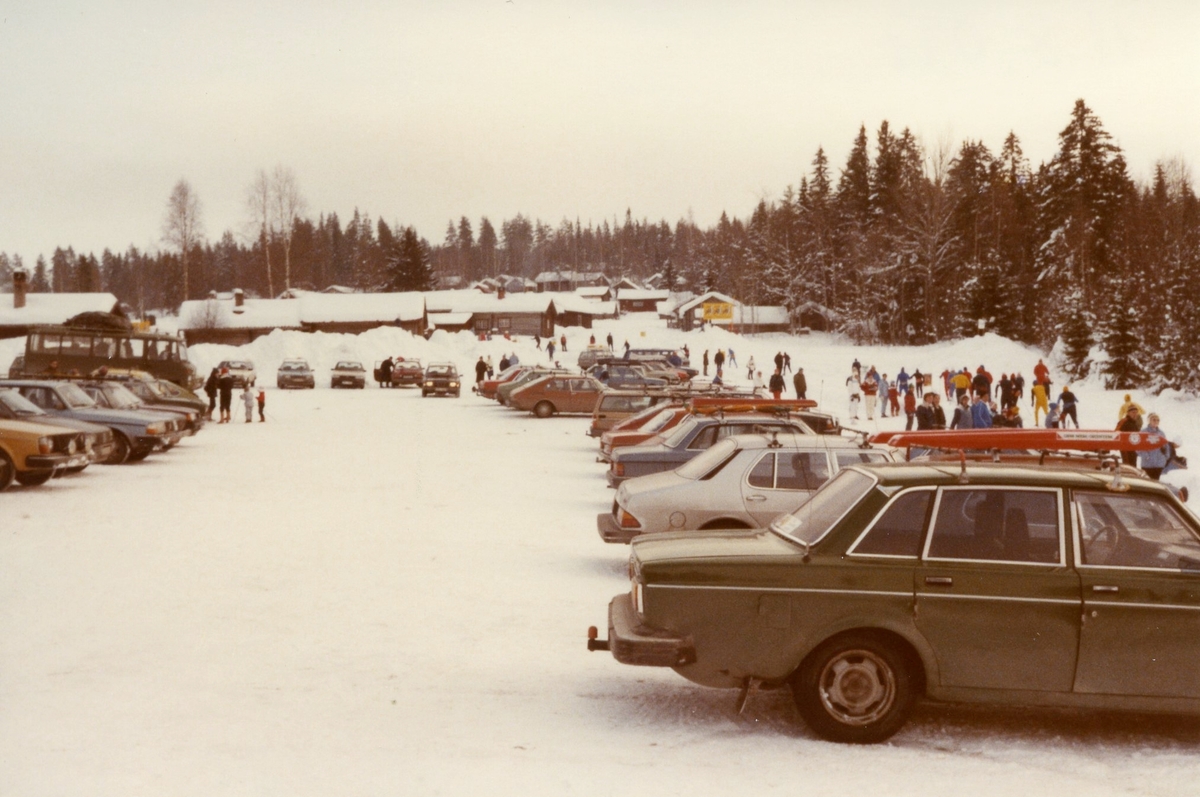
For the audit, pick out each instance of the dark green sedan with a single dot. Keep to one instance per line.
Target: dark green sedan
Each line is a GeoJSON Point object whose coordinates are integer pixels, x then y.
{"type": "Point", "coordinates": [988, 583]}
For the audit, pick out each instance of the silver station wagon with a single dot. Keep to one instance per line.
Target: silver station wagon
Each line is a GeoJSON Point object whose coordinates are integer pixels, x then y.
{"type": "Point", "coordinates": [742, 482]}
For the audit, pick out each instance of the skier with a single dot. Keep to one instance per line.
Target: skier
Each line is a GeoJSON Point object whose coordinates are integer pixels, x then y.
{"type": "Point", "coordinates": [854, 389]}
{"type": "Point", "coordinates": [749, 367]}
{"type": "Point", "coordinates": [262, 405]}
{"type": "Point", "coordinates": [1067, 401]}
{"type": "Point", "coordinates": [732, 358]}
{"type": "Point", "coordinates": [1039, 398]}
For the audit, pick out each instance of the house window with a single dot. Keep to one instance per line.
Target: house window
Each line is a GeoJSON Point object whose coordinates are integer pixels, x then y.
{"type": "Point", "coordinates": [504, 323]}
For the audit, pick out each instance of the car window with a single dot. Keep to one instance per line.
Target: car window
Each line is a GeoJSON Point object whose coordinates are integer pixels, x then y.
{"type": "Point", "coordinates": [658, 421]}
{"type": "Point", "coordinates": [801, 470]}
{"type": "Point", "coordinates": [996, 525]}
{"type": "Point", "coordinates": [705, 438]}
{"type": "Point", "coordinates": [898, 530]}
{"type": "Point", "coordinates": [1123, 530]}
{"type": "Point", "coordinates": [43, 397]}
{"type": "Point", "coordinates": [819, 512]}
{"type": "Point", "coordinates": [703, 465]}
{"type": "Point", "coordinates": [18, 404]}
{"type": "Point", "coordinates": [762, 475]}
{"type": "Point", "coordinates": [848, 458]}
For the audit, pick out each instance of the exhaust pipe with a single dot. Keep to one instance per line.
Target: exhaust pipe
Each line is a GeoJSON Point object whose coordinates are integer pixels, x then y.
{"type": "Point", "coordinates": [594, 642]}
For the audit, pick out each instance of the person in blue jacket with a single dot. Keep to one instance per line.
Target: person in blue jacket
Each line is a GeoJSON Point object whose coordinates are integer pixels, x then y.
{"type": "Point", "coordinates": [1155, 460]}
{"type": "Point", "coordinates": [981, 416]}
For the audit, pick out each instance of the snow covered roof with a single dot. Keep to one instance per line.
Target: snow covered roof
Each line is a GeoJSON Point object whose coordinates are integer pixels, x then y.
{"type": "Point", "coordinates": [745, 315]}
{"type": "Point", "coordinates": [311, 308]}
{"type": "Point", "coordinates": [53, 308]}
{"type": "Point", "coordinates": [592, 291]}
{"type": "Point", "coordinates": [470, 301]}
{"type": "Point", "coordinates": [636, 294]}
{"type": "Point", "coordinates": [706, 297]}
{"type": "Point", "coordinates": [573, 303]}
{"type": "Point", "coordinates": [449, 319]}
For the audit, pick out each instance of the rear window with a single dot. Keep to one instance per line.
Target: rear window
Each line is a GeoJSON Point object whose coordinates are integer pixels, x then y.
{"type": "Point", "coordinates": [699, 466]}
{"type": "Point", "coordinates": [819, 513]}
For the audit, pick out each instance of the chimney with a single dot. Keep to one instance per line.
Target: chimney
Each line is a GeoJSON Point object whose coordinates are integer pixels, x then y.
{"type": "Point", "coordinates": [500, 292]}
{"type": "Point", "coordinates": [239, 300]}
{"type": "Point", "coordinates": [19, 278]}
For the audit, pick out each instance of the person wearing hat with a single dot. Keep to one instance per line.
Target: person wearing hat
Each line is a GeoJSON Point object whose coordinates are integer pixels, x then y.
{"type": "Point", "coordinates": [1129, 402]}
{"type": "Point", "coordinates": [225, 389]}
{"type": "Point", "coordinates": [1132, 422]}
{"type": "Point", "coordinates": [1154, 461]}
{"type": "Point", "coordinates": [1051, 414]}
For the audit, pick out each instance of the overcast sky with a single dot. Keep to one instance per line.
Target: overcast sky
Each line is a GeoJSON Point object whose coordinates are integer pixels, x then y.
{"type": "Point", "coordinates": [424, 112]}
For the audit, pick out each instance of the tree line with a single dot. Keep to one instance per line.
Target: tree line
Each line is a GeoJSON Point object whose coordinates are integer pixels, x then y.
{"type": "Point", "coordinates": [901, 244]}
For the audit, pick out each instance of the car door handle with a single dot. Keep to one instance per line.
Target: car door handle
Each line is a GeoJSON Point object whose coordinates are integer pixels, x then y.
{"type": "Point", "coordinates": [939, 581]}
{"type": "Point", "coordinates": [756, 498]}
{"type": "Point", "coordinates": [1105, 588]}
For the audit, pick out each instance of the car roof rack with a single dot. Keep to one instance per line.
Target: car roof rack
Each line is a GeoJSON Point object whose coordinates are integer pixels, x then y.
{"type": "Point", "coordinates": [1102, 443]}
{"type": "Point", "coordinates": [702, 405]}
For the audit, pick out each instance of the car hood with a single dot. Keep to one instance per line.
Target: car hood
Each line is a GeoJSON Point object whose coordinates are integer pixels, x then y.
{"type": "Point", "coordinates": [110, 417]}
{"type": "Point", "coordinates": [30, 428]}
{"type": "Point", "coordinates": [643, 451]}
{"type": "Point", "coordinates": [60, 422]}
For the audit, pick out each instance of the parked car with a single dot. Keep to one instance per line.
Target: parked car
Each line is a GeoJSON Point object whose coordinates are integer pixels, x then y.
{"type": "Point", "coordinates": [692, 435]}
{"type": "Point", "coordinates": [408, 372]}
{"type": "Point", "coordinates": [625, 375]}
{"type": "Point", "coordinates": [593, 354]}
{"type": "Point", "coordinates": [97, 440]}
{"type": "Point", "coordinates": [488, 387]}
{"type": "Point", "coordinates": [348, 373]}
{"type": "Point", "coordinates": [616, 406]}
{"type": "Point", "coordinates": [242, 371]}
{"type": "Point", "coordinates": [441, 379]}
{"type": "Point", "coordinates": [639, 428]}
{"type": "Point", "coordinates": [159, 392]}
{"type": "Point", "coordinates": [992, 583]}
{"type": "Point", "coordinates": [504, 390]}
{"type": "Point", "coordinates": [556, 394]}
{"type": "Point", "coordinates": [17, 368]}
{"type": "Point", "coordinates": [32, 452]}
{"type": "Point", "coordinates": [295, 373]}
{"type": "Point", "coordinates": [742, 482]}
{"type": "Point", "coordinates": [136, 434]}
{"type": "Point", "coordinates": [112, 394]}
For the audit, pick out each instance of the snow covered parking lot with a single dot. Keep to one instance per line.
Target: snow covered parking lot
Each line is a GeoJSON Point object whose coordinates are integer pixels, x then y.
{"type": "Point", "coordinates": [375, 593]}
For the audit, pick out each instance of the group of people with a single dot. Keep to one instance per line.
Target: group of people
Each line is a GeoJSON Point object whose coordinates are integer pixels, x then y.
{"type": "Point", "coordinates": [219, 385]}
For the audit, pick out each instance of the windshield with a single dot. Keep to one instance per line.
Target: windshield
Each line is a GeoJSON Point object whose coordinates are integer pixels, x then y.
{"type": "Point", "coordinates": [681, 431]}
{"type": "Point", "coordinates": [294, 366]}
{"type": "Point", "coordinates": [19, 404]}
{"type": "Point", "coordinates": [700, 465]}
{"type": "Point", "coordinates": [813, 519]}
{"type": "Point", "coordinates": [74, 396]}
{"type": "Point", "coordinates": [345, 366]}
{"type": "Point", "coordinates": [441, 370]}
{"type": "Point", "coordinates": [119, 397]}
{"type": "Point", "coordinates": [238, 365]}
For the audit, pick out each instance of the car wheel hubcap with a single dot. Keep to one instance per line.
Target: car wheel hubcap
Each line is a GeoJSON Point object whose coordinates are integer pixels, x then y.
{"type": "Point", "coordinates": [857, 687]}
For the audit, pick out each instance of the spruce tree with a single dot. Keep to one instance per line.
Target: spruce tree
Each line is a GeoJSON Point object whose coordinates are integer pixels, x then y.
{"type": "Point", "coordinates": [1077, 337]}
{"type": "Point", "coordinates": [1122, 343]}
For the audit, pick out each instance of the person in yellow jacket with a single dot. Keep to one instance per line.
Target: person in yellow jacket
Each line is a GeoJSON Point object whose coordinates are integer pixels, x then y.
{"type": "Point", "coordinates": [962, 383]}
{"type": "Point", "coordinates": [1129, 402]}
{"type": "Point", "coordinates": [1040, 402]}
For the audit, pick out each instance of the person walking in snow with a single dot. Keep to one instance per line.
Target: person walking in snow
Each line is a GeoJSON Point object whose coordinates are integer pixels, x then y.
{"type": "Point", "coordinates": [749, 367]}
{"type": "Point", "coordinates": [732, 359]}
{"type": "Point", "coordinates": [1052, 418]}
{"type": "Point", "coordinates": [777, 385]}
{"type": "Point", "coordinates": [894, 398]}
{"type": "Point", "coordinates": [210, 390]}
{"type": "Point", "coordinates": [504, 363]}
{"type": "Point", "coordinates": [563, 341]}
{"type": "Point", "coordinates": [262, 405]}
{"type": "Point", "coordinates": [760, 387]}
{"type": "Point", "coordinates": [490, 370]}
{"type": "Point", "coordinates": [1129, 402]}
{"type": "Point", "coordinates": [787, 362]}
{"type": "Point", "coordinates": [918, 379]}
{"type": "Point", "coordinates": [856, 369]}
{"type": "Point", "coordinates": [537, 342]}
{"type": "Point", "coordinates": [1067, 402]}
{"type": "Point", "coordinates": [480, 370]}
{"type": "Point", "coordinates": [225, 390]}
{"type": "Point", "coordinates": [854, 389]}
{"type": "Point", "coordinates": [610, 346]}
{"type": "Point", "coordinates": [910, 409]}
{"type": "Point", "coordinates": [981, 414]}
{"type": "Point", "coordinates": [779, 361]}
{"type": "Point", "coordinates": [719, 360]}
{"type": "Point", "coordinates": [705, 361]}
{"type": "Point", "coordinates": [1131, 423]}
{"type": "Point", "coordinates": [1040, 405]}
{"type": "Point", "coordinates": [248, 403]}
{"type": "Point", "coordinates": [800, 384]}
{"type": "Point", "coordinates": [550, 350]}
{"type": "Point", "coordinates": [870, 391]}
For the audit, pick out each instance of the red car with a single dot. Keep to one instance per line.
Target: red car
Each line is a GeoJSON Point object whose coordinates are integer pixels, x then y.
{"type": "Point", "coordinates": [557, 394]}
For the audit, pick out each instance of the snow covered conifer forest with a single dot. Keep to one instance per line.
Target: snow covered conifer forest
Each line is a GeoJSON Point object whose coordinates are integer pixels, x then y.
{"type": "Point", "coordinates": [906, 242]}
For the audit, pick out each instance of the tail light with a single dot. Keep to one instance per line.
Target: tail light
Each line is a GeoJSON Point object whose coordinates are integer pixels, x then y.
{"type": "Point", "coordinates": [626, 520]}
{"type": "Point", "coordinates": [619, 469]}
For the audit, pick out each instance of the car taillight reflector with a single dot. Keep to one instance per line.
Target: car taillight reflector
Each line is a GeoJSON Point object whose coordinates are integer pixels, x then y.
{"type": "Point", "coordinates": [626, 520]}
{"type": "Point", "coordinates": [619, 468]}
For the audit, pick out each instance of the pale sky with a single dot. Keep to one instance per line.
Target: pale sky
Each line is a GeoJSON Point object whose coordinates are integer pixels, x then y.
{"type": "Point", "coordinates": [424, 112]}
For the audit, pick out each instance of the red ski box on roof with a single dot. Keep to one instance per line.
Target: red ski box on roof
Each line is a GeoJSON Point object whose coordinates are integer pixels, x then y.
{"type": "Point", "coordinates": [1034, 439]}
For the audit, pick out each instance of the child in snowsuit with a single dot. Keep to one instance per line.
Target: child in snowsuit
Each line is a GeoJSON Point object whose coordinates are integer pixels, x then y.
{"type": "Point", "coordinates": [248, 402]}
{"type": "Point", "coordinates": [262, 405]}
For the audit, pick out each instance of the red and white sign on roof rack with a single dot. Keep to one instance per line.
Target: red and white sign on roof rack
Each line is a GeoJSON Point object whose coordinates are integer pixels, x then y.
{"type": "Point", "coordinates": [1029, 439]}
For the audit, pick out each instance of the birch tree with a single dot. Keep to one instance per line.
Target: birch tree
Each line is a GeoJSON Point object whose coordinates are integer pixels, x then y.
{"type": "Point", "coordinates": [183, 227]}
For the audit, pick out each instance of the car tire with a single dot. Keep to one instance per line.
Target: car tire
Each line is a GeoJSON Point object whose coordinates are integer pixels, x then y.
{"type": "Point", "coordinates": [855, 688]}
{"type": "Point", "coordinates": [120, 452]}
{"type": "Point", "coordinates": [7, 471]}
{"type": "Point", "coordinates": [34, 478]}
{"type": "Point", "coordinates": [137, 455]}
{"type": "Point", "coordinates": [543, 409]}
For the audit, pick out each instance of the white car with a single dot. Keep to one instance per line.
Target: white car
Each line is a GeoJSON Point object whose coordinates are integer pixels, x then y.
{"type": "Point", "coordinates": [242, 371]}
{"type": "Point", "coordinates": [744, 481]}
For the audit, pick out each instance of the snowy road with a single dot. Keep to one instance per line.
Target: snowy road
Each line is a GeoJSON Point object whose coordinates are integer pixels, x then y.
{"type": "Point", "coordinates": [378, 594]}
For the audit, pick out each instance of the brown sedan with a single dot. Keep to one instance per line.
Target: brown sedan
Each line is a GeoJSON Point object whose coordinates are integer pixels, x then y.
{"type": "Point", "coordinates": [557, 394]}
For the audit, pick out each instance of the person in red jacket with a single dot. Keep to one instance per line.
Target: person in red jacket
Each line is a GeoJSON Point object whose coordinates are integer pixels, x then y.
{"type": "Point", "coordinates": [894, 398]}
{"type": "Point", "coordinates": [870, 389]}
{"type": "Point", "coordinates": [910, 408]}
